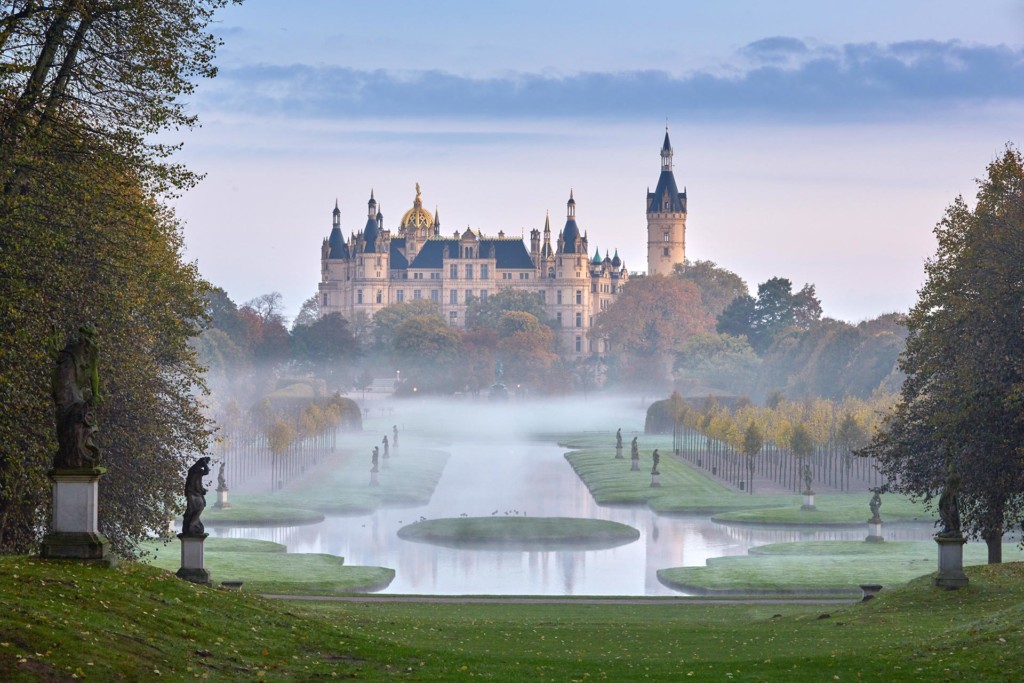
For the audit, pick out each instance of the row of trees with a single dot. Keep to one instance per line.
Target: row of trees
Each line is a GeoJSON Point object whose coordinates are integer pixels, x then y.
{"type": "Point", "coordinates": [85, 86]}
{"type": "Point", "coordinates": [777, 438]}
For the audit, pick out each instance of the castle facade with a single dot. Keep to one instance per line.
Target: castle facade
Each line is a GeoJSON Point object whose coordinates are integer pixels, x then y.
{"type": "Point", "coordinates": [377, 267]}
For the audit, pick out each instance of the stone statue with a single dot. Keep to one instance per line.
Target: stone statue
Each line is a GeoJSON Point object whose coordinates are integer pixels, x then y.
{"type": "Point", "coordinates": [618, 438]}
{"type": "Point", "coordinates": [385, 442]}
{"type": "Point", "coordinates": [75, 386]}
{"type": "Point", "coordinates": [221, 483]}
{"type": "Point", "coordinates": [634, 452]}
{"type": "Point", "coordinates": [375, 458]}
{"type": "Point", "coordinates": [195, 497]}
{"type": "Point", "coordinates": [394, 435]}
{"type": "Point", "coordinates": [949, 506]}
{"type": "Point", "coordinates": [808, 476]}
{"type": "Point", "coordinates": [875, 505]}
{"type": "Point", "coordinates": [657, 459]}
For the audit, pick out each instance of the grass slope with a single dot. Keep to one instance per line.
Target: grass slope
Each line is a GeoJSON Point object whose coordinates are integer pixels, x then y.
{"type": "Point", "coordinates": [140, 623]}
{"type": "Point", "coordinates": [250, 515]}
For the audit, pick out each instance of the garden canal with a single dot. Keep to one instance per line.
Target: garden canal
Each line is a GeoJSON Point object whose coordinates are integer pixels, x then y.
{"type": "Point", "coordinates": [532, 479]}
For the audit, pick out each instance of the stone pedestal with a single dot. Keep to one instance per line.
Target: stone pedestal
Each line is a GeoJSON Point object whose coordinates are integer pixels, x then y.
{"type": "Point", "coordinates": [869, 590]}
{"type": "Point", "coordinates": [951, 563]}
{"type": "Point", "coordinates": [192, 567]}
{"type": "Point", "coordinates": [222, 500]}
{"type": "Point", "coordinates": [635, 466]}
{"type": "Point", "coordinates": [655, 480]}
{"type": "Point", "coordinates": [874, 531]}
{"type": "Point", "coordinates": [808, 502]}
{"type": "Point", "coordinates": [75, 534]}
{"type": "Point", "coordinates": [618, 453]}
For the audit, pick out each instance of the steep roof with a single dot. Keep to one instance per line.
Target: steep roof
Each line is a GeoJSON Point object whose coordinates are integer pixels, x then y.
{"type": "Point", "coordinates": [398, 260]}
{"type": "Point", "coordinates": [370, 233]}
{"type": "Point", "coordinates": [507, 253]}
{"type": "Point", "coordinates": [336, 242]}
{"type": "Point", "coordinates": [666, 191]}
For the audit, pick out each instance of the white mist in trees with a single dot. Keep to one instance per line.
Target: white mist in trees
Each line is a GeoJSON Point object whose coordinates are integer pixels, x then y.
{"type": "Point", "coordinates": [962, 404]}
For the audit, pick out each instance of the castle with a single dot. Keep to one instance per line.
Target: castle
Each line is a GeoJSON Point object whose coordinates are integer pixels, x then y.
{"type": "Point", "coordinates": [376, 267]}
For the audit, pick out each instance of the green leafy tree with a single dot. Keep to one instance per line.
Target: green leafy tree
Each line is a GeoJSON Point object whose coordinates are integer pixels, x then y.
{"type": "Point", "coordinates": [716, 364]}
{"type": "Point", "coordinates": [309, 312]}
{"type": "Point", "coordinates": [718, 287]}
{"type": "Point", "coordinates": [526, 348]}
{"type": "Point", "coordinates": [775, 310]}
{"type": "Point", "coordinates": [387, 319]}
{"type": "Point", "coordinates": [427, 350]}
{"type": "Point", "coordinates": [962, 404]}
{"type": "Point", "coordinates": [753, 442]}
{"type": "Point", "coordinates": [326, 348]}
{"type": "Point", "coordinates": [488, 312]}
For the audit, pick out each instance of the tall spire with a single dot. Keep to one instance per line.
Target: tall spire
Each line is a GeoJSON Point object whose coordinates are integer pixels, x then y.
{"type": "Point", "coordinates": [666, 153]}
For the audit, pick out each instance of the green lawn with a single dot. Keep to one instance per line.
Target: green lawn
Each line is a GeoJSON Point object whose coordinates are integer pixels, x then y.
{"type": "Point", "coordinates": [342, 487]}
{"type": "Point", "coordinates": [248, 513]}
{"type": "Point", "coordinates": [527, 533]}
{"type": "Point", "coordinates": [265, 567]}
{"type": "Point", "coordinates": [819, 566]}
{"type": "Point", "coordinates": [140, 623]}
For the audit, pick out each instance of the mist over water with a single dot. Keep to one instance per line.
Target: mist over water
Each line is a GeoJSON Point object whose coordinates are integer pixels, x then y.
{"type": "Point", "coordinates": [504, 460]}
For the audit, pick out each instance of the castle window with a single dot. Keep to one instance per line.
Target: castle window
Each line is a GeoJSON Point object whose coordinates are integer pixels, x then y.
{"type": "Point", "coordinates": [359, 296]}
{"type": "Point", "coordinates": [400, 296]}
{"type": "Point", "coordinates": [485, 272]}
{"type": "Point", "coordinates": [380, 296]}
{"type": "Point", "coordinates": [558, 318]}
{"type": "Point", "coordinates": [664, 252]}
{"type": "Point", "coordinates": [483, 295]}
{"type": "Point", "coordinates": [416, 294]}
{"type": "Point", "coordinates": [579, 344]}
{"type": "Point", "coordinates": [469, 296]}
{"type": "Point", "coordinates": [325, 299]}
{"type": "Point", "coordinates": [579, 296]}
{"type": "Point", "coordinates": [417, 276]}
{"type": "Point", "coordinates": [579, 320]}
{"type": "Point", "coordinates": [453, 316]}
{"type": "Point", "coordinates": [469, 271]}
{"type": "Point", "coordinates": [613, 289]}
{"type": "Point", "coordinates": [524, 276]}
{"type": "Point", "coordinates": [453, 272]}
{"type": "Point", "coordinates": [551, 273]}
{"type": "Point", "coordinates": [453, 297]}
{"type": "Point", "coordinates": [664, 236]}
{"type": "Point", "coordinates": [506, 276]}
{"type": "Point", "coordinates": [434, 296]}
{"type": "Point", "coordinates": [558, 297]}
{"type": "Point", "coordinates": [435, 276]}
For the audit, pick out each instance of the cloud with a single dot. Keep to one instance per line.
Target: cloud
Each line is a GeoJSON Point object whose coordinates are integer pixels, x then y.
{"type": "Point", "coordinates": [774, 79]}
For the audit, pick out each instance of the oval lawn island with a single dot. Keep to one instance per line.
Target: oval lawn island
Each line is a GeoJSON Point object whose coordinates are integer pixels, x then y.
{"type": "Point", "coordinates": [520, 533]}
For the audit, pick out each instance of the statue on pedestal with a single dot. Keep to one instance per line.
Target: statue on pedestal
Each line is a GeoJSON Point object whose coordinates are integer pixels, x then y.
{"type": "Point", "coordinates": [221, 482]}
{"type": "Point", "coordinates": [875, 505]}
{"type": "Point", "coordinates": [394, 435]}
{"type": "Point", "coordinates": [807, 476]}
{"type": "Point", "coordinates": [657, 458]}
{"type": "Point", "coordinates": [75, 386]}
{"type": "Point", "coordinates": [949, 506]}
{"type": "Point", "coordinates": [195, 497]}
{"type": "Point", "coordinates": [634, 452]}
{"type": "Point", "coordinates": [385, 442]}
{"type": "Point", "coordinates": [375, 459]}
{"type": "Point", "coordinates": [618, 438]}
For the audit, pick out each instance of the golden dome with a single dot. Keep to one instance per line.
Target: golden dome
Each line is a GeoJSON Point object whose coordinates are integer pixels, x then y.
{"type": "Point", "coordinates": [417, 218]}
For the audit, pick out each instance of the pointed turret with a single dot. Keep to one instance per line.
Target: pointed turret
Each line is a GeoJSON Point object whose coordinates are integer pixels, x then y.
{"type": "Point", "coordinates": [372, 230]}
{"type": "Point", "coordinates": [597, 257]}
{"type": "Point", "coordinates": [666, 153]}
{"type": "Point", "coordinates": [570, 233]}
{"type": "Point", "coordinates": [336, 247]}
{"type": "Point", "coordinates": [616, 261]}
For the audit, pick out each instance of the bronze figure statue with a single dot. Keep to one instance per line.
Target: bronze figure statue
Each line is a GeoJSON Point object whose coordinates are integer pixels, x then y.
{"type": "Point", "coordinates": [195, 497]}
{"type": "Point", "coordinates": [949, 506]}
{"type": "Point", "coordinates": [75, 386]}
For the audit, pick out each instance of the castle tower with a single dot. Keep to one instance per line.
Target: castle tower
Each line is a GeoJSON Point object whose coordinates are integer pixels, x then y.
{"type": "Point", "coordinates": [666, 219]}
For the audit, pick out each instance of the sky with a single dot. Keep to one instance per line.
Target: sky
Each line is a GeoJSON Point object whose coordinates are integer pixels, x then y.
{"type": "Point", "coordinates": [820, 142]}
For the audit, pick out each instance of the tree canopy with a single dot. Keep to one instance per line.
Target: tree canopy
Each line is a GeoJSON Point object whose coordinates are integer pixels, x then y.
{"type": "Point", "coordinates": [962, 404]}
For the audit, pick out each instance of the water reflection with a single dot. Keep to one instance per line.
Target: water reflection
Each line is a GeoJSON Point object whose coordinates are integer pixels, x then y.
{"type": "Point", "coordinates": [535, 480]}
